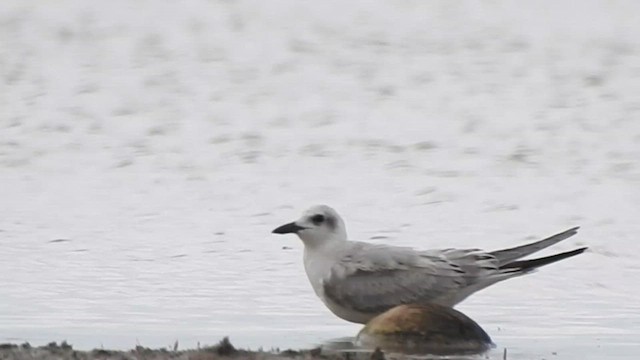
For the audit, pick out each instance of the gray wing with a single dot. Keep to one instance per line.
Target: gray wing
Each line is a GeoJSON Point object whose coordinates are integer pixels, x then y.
{"type": "Point", "coordinates": [373, 278]}
{"type": "Point", "coordinates": [508, 255]}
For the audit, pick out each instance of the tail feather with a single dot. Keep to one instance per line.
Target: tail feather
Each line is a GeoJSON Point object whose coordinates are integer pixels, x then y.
{"type": "Point", "coordinates": [528, 265]}
{"type": "Point", "coordinates": [507, 256]}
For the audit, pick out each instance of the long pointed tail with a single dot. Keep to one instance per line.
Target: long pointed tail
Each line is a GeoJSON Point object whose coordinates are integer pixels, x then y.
{"type": "Point", "coordinates": [507, 256]}
{"type": "Point", "coordinates": [528, 265]}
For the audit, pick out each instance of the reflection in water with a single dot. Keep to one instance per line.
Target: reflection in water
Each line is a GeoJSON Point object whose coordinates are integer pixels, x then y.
{"type": "Point", "coordinates": [347, 345]}
{"type": "Point", "coordinates": [343, 344]}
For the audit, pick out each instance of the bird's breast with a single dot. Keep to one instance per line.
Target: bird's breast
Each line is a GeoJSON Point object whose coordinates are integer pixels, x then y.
{"type": "Point", "coordinates": [318, 269]}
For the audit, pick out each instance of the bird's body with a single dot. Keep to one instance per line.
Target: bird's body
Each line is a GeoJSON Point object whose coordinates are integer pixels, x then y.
{"type": "Point", "coordinates": [359, 280]}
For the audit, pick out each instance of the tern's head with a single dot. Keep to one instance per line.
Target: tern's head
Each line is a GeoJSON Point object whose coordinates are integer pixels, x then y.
{"type": "Point", "coordinates": [317, 225]}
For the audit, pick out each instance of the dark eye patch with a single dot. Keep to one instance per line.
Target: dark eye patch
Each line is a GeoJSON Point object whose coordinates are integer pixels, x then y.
{"type": "Point", "coordinates": [317, 219]}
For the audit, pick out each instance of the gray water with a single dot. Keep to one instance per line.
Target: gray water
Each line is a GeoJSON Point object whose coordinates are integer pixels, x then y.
{"type": "Point", "coordinates": [147, 151]}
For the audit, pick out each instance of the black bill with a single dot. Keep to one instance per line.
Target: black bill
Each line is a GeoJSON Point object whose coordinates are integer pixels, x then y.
{"type": "Point", "coordinates": [288, 228]}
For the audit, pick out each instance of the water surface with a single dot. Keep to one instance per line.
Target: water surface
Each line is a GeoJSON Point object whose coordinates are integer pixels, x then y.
{"type": "Point", "coordinates": [147, 151]}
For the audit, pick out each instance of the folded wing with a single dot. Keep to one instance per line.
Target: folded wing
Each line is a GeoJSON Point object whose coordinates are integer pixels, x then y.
{"type": "Point", "coordinates": [373, 278]}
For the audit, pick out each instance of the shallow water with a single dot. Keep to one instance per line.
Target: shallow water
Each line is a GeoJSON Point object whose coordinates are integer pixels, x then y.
{"type": "Point", "coordinates": [147, 151]}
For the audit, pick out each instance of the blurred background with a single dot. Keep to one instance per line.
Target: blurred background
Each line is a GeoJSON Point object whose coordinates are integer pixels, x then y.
{"type": "Point", "coordinates": [148, 148]}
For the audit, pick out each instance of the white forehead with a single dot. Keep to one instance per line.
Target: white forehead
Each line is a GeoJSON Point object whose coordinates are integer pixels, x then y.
{"type": "Point", "coordinates": [320, 209]}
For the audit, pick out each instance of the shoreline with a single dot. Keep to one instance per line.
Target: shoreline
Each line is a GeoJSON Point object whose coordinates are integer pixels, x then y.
{"type": "Point", "coordinates": [224, 349]}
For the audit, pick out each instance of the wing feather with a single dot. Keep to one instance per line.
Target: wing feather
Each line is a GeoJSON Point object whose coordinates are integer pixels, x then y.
{"type": "Point", "coordinates": [374, 278]}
